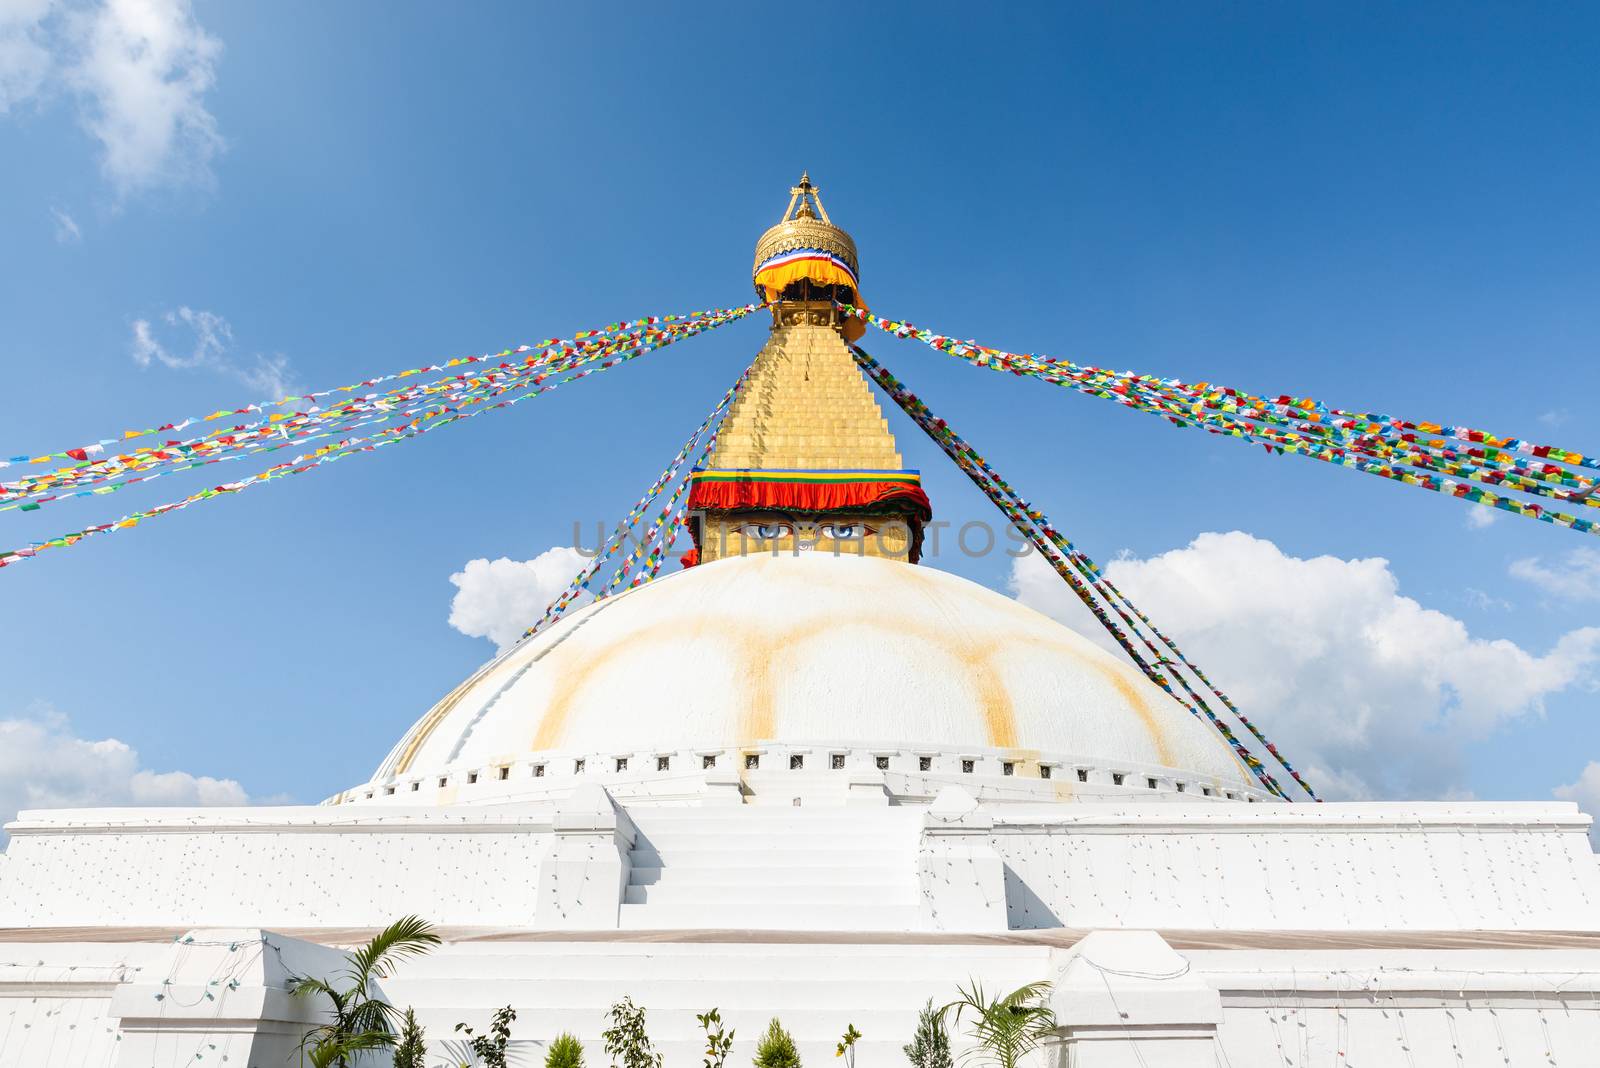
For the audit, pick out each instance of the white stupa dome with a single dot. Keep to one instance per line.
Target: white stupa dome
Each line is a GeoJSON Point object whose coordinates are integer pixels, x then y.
{"type": "Point", "coordinates": [838, 650]}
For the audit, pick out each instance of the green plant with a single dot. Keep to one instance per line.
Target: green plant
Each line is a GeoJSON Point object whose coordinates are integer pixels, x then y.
{"type": "Point", "coordinates": [1004, 1029]}
{"type": "Point", "coordinates": [776, 1048]}
{"type": "Point", "coordinates": [565, 1052]}
{"type": "Point", "coordinates": [360, 1021]}
{"type": "Point", "coordinates": [930, 1046]}
{"type": "Point", "coordinates": [718, 1041]}
{"type": "Point", "coordinates": [847, 1045]}
{"type": "Point", "coordinates": [627, 1044]}
{"type": "Point", "coordinates": [412, 1048]}
{"type": "Point", "coordinates": [490, 1048]}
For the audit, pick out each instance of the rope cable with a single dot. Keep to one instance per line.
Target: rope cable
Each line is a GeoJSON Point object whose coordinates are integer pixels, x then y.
{"type": "Point", "coordinates": [580, 582]}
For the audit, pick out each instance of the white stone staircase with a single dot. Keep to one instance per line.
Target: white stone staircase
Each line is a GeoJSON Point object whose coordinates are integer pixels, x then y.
{"type": "Point", "coordinates": [753, 868]}
{"type": "Point", "coordinates": [815, 989]}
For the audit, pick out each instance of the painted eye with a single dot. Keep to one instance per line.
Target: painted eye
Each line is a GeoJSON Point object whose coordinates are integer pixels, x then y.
{"type": "Point", "coordinates": [765, 531]}
{"type": "Point", "coordinates": [844, 531]}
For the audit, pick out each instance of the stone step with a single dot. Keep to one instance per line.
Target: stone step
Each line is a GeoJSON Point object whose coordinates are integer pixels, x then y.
{"type": "Point", "coordinates": [796, 875]}
{"type": "Point", "coordinates": [796, 960]}
{"type": "Point", "coordinates": [800, 840]}
{"type": "Point", "coordinates": [887, 863]}
{"type": "Point", "coordinates": [735, 972]}
{"type": "Point", "coordinates": [729, 961]}
{"type": "Point", "coordinates": [797, 843]}
{"type": "Point", "coordinates": [774, 892]}
{"type": "Point", "coordinates": [684, 993]}
{"type": "Point", "coordinates": [827, 831]}
{"type": "Point", "coordinates": [673, 916]}
{"type": "Point", "coordinates": [752, 816]}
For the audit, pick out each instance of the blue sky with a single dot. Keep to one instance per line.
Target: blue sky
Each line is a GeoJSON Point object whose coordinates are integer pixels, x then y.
{"type": "Point", "coordinates": [1390, 208]}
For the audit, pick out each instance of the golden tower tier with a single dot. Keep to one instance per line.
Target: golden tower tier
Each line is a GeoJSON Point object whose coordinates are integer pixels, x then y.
{"type": "Point", "coordinates": [804, 460]}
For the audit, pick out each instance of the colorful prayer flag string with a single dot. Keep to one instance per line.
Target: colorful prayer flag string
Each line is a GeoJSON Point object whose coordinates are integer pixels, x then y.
{"type": "Point", "coordinates": [1415, 453]}
{"type": "Point", "coordinates": [524, 387]}
{"type": "Point", "coordinates": [268, 432]}
{"type": "Point", "coordinates": [1084, 578]}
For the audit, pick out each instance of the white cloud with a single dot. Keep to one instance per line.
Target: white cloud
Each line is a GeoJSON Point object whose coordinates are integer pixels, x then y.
{"type": "Point", "coordinates": [270, 376]}
{"type": "Point", "coordinates": [1367, 691]}
{"type": "Point", "coordinates": [139, 71]}
{"type": "Point", "coordinates": [1479, 599]}
{"type": "Point", "coordinates": [1586, 792]}
{"type": "Point", "coordinates": [1480, 516]}
{"type": "Point", "coordinates": [43, 764]}
{"type": "Point", "coordinates": [1554, 417]}
{"type": "Point", "coordinates": [1576, 577]}
{"type": "Point", "coordinates": [143, 70]}
{"type": "Point", "coordinates": [25, 60]}
{"type": "Point", "coordinates": [499, 599]}
{"type": "Point", "coordinates": [67, 231]}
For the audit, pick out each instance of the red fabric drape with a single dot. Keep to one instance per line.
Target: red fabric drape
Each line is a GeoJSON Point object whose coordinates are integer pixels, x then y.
{"type": "Point", "coordinates": [899, 497]}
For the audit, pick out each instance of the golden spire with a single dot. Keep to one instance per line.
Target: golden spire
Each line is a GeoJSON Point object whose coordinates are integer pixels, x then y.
{"type": "Point", "coordinates": [804, 458]}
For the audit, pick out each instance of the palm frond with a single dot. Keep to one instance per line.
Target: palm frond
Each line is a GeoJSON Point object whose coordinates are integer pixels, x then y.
{"type": "Point", "coordinates": [1004, 1029]}
{"type": "Point", "coordinates": [373, 1016]}
{"type": "Point", "coordinates": [1023, 995]}
{"type": "Point", "coordinates": [302, 986]}
{"type": "Point", "coordinates": [405, 937]}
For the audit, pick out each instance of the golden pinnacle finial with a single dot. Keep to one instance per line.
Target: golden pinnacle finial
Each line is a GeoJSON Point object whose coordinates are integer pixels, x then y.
{"type": "Point", "coordinates": [801, 198]}
{"type": "Point", "coordinates": [804, 224]}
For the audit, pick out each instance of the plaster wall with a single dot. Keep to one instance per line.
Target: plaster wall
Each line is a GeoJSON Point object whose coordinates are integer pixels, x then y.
{"type": "Point", "coordinates": [1348, 866]}
{"type": "Point", "coordinates": [296, 867]}
{"type": "Point", "coordinates": [1479, 1009]}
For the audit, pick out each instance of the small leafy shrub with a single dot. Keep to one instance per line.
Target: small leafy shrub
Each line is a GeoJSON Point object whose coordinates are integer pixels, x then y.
{"type": "Point", "coordinates": [847, 1045]}
{"type": "Point", "coordinates": [564, 1052]}
{"type": "Point", "coordinates": [718, 1041]}
{"type": "Point", "coordinates": [930, 1046]}
{"type": "Point", "coordinates": [490, 1049]}
{"type": "Point", "coordinates": [627, 1043]}
{"type": "Point", "coordinates": [776, 1048]}
{"type": "Point", "coordinates": [412, 1049]}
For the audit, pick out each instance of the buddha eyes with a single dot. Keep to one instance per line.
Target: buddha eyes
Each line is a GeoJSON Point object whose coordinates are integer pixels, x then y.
{"type": "Point", "coordinates": [835, 531]}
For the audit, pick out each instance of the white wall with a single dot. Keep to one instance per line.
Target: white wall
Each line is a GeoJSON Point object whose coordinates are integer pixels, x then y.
{"type": "Point", "coordinates": [1169, 865]}
{"type": "Point", "coordinates": [272, 867]}
{"type": "Point", "coordinates": [1353, 866]}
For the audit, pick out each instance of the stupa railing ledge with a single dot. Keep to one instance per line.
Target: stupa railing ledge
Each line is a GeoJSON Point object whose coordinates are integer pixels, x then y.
{"type": "Point", "coordinates": [307, 819]}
